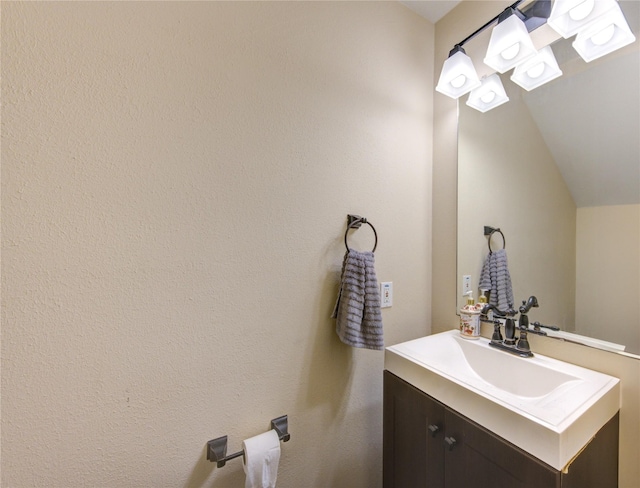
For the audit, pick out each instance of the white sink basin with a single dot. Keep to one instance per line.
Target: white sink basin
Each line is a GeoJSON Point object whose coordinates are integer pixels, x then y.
{"type": "Point", "coordinates": [533, 378]}
{"type": "Point", "coordinates": [547, 407]}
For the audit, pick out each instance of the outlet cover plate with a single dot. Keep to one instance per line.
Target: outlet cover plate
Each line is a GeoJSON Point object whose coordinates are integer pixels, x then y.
{"type": "Point", "coordinates": [386, 294]}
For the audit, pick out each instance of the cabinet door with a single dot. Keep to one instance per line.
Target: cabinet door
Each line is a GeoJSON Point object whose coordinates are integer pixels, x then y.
{"type": "Point", "coordinates": [481, 459]}
{"type": "Point", "coordinates": [413, 437]}
{"type": "Point", "coordinates": [597, 464]}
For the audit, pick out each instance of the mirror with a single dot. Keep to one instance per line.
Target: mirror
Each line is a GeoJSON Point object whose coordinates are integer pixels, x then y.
{"type": "Point", "coordinates": [557, 169]}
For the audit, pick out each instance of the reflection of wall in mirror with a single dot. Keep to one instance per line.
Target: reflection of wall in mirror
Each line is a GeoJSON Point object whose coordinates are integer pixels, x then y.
{"type": "Point", "coordinates": [608, 274]}
{"type": "Point", "coordinates": [549, 240]}
{"type": "Point", "coordinates": [608, 311]}
{"type": "Point", "coordinates": [541, 235]}
{"type": "Point", "coordinates": [492, 187]}
{"type": "Point", "coordinates": [500, 142]}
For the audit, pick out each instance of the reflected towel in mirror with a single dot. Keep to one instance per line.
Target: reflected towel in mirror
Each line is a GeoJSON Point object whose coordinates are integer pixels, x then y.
{"type": "Point", "coordinates": [495, 277]}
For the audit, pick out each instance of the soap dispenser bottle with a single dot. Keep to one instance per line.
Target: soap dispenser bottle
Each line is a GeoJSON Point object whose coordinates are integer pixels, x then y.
{"type": "Point", "coordinates": [470, 318]}
{"type": "Point", "coordinates": [482, 299]}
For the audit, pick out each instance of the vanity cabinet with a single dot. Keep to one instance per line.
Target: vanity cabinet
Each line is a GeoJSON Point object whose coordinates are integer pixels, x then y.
{"type": "Point", "coordinates": [428, 445]}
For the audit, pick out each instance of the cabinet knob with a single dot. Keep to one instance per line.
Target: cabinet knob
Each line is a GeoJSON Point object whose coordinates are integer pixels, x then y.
{"type": "Point", "coordinates": [434, 429]}
{"type": "Point", "coordinates": [451, 442]}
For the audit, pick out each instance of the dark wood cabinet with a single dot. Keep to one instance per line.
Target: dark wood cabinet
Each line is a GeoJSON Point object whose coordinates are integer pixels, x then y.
{"type": "Point", "coordinates": [428, 445]}
{"type": "Point", "coordinates": [413, 435]}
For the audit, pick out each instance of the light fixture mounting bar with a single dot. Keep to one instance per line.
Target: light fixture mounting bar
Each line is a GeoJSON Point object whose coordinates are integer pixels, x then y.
{"type": "Point", "coordinates": [535, 15]}
{"type": "Point", "coordinates": [479, 30]}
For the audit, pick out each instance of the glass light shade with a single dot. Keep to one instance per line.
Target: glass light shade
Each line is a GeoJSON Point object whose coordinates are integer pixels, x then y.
{"type": "Point", "coordinates": [605, 35]}
{"type": "Point", "coordinates": [568, 17]}
{"type": "Point", "coordinates": [509, 45]}
{"type": "Point", "coordinates": [537, 70]}
{"type": "Point", "coordinates": [458, 75]}
{"type": "Point", "coordinates": [488, 95]}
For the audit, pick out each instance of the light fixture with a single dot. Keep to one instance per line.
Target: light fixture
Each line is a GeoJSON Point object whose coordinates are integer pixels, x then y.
{"type": "Point", "coordinates": [458, 75]}
{"type": "Point", "coordinates": [601, 29]}
{"type": "Point", "coordinates": [510, 43]}
{"type": "Point", "coordinates": [568, 17]}
{"type": "Point", "coordinates": [537, 70]}
{"type": "Point", "coordinates": [605, 35]}
{"type": "Point", "coordinates": [488, 95]}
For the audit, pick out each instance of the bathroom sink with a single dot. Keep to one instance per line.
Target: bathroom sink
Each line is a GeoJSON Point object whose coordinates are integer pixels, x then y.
{"type": "Point", "coordinates": [547, 407]}
{"type": "Point", "coordinates": [537, 379]}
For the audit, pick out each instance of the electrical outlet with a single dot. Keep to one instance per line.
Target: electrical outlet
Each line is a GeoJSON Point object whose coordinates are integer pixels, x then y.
{"type": "Point", "coordinates": [466, 284]}
{"type": "Point", "coordinates": [386, 294]}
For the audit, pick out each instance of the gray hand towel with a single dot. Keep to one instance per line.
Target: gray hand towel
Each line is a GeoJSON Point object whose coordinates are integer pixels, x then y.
{"type": "Point", "coordinates": [495, 277]}
{"type": "Point", "coordinates": [357, 310]}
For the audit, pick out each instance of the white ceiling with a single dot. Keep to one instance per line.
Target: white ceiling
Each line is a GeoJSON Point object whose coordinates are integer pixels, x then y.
{"type": "Point", "coordinates": [432, 10]}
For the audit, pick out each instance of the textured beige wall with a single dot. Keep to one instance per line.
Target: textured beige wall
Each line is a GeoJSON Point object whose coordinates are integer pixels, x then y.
{"type": "Point", "coordinates": [454, 27]}
{"type": "Point", "coordinates": [175, 184]}
{"type": "Point", "coordinates": [608, 256]}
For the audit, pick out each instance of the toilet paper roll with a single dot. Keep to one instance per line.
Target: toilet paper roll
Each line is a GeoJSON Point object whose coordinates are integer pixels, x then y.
{"type": "Point", "coordinates": [260, 460]}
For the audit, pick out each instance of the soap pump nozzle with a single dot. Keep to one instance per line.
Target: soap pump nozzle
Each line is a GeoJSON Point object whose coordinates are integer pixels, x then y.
{"type": "Point", "coordinates": [470, 300]}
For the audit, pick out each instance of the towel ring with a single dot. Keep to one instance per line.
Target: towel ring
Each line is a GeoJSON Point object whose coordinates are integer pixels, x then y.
{"type": "Point", "coordinates": [354, 223]}
{"type": "Point", "coordinates": [490, 231]}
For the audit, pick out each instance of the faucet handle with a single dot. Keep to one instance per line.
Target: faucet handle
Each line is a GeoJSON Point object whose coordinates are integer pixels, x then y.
{"type": "Point", "coordinates": [497, 334]}
{"type": "Point", "coordinates": [523, 341]}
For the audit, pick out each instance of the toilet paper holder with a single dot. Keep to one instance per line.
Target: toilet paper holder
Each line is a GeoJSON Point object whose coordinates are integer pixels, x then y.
{"type": "Point", "coordinates": [217, 448]}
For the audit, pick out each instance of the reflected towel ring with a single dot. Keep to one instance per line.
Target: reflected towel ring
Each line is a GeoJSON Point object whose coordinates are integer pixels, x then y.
{"type": "Point", "coordinates": [489, 231]}
{"type": "Point", "coordinates": [354, 223]}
